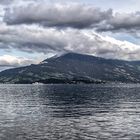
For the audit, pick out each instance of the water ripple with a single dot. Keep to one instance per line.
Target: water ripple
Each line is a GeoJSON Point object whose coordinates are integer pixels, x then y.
{"type": "Point", "coordinates": [69, 112]}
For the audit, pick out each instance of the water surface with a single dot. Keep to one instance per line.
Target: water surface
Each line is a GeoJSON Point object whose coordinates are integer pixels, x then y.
{"type": "Point", "coordinates": [69, 112]}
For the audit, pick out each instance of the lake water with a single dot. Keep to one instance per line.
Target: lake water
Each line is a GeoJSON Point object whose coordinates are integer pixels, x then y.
{"type": "Point", "coordinates": [69, 112]}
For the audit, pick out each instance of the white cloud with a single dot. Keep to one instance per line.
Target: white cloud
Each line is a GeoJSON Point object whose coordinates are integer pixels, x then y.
{"type": "Point", "coordinates": [45, 40]}
{"type": "Point", "coordinates": [13, 61]}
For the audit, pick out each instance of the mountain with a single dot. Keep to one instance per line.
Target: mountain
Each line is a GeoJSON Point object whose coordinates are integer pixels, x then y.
{"type": "Point", "coordinates": [75, 68]}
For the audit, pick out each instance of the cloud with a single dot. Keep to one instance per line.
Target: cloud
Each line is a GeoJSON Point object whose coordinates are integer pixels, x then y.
{"type": "Point", "coordinates": [68, 28]}
{"type": "Point", "coordinates": [34, 39]}
{"type": "Point", "coordinates": [13, 61]}
{"type": "Point", "coordinates": [59, 15]}
{"type": "Point", "coordinates": [5, 2]}
{"type": "Point", "coordinates": [80, 16]}
{"type": "Point", "coordinates": [119, 22]}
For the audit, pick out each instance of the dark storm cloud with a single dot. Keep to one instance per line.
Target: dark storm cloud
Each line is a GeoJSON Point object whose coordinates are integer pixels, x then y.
{"type": "Point", "coordinates": [72, 15]}
{"type": "Point", "coordinates": [122, 22]}
{"type": "Point", "coordinates": [59, 15]}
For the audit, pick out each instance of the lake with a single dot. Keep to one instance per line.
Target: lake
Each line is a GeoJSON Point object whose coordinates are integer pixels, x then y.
{"type": "Point", "coordinates": [70, 112]}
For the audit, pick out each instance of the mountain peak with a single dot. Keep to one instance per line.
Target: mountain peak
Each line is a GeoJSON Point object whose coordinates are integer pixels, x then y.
{"type": "Point", "coordinates": [74, 67]}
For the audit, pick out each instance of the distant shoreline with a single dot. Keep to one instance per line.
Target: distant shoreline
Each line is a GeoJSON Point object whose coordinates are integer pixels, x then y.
{"type": "Point", "coordinates": [117, 83]}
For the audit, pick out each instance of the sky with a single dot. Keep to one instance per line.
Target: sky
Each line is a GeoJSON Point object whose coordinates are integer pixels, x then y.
{"type": "Point", "coordinates": [33, 30]}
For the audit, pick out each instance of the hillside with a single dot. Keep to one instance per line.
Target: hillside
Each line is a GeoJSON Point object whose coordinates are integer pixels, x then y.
{"type": "Point", "coordinates": [75, 68]}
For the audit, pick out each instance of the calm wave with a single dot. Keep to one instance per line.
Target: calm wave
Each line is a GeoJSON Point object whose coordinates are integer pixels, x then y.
{"type": "Point", "coordinates": [69, 112]}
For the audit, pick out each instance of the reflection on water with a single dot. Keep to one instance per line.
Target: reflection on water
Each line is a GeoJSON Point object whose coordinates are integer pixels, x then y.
{"type": "Point", "coordinates": [69, 112]}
